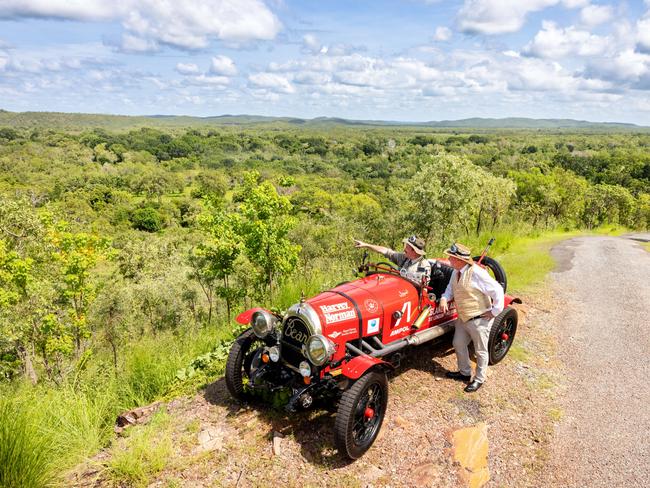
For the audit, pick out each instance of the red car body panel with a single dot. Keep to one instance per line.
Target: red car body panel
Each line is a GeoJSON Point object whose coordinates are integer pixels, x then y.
{"type": "Point", "coordinates": [245, 317]}
{"type": "Point", "coordinates": [356, 368]}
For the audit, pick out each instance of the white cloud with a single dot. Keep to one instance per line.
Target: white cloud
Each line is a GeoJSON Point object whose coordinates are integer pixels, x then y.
{"type": "Point", "coordinates": [189, 24]}
{"type": "Point", "coordinates": [554, 42]}
{"type": "Point", "coordinates": [503, 16]}
{"type": "Point", "coordinates": [131, 43]}
{"type": "Point", "coordinates": [223, 65]}
{"type": "Point", "coordinates": [643, 34]}
{"type": "Point", "coordinates": [187, 68]}
{"type": "Point", "coordinates": [628, 66]}
{"type": "Point", "coordinates": [593, 15]}
{"type": "Point", "coordinates": [442, 34]}
{"type": "Point", "coordinates": [271, 81]}
{"type": "Point", "coordinates": [312, 44]}
{"type": "Point", "coordinates": [208, 80]}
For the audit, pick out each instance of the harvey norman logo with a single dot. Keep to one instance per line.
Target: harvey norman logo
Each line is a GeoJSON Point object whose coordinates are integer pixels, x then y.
{"type": "Point", "coordinates": [338, 312]}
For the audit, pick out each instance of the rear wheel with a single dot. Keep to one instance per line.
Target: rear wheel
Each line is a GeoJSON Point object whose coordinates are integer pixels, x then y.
{"type": "Point", "coordinates": [502, 334]}
{"type": "Point", "coordinates": [495, 269]}
{"type": "Point", "coordinates": [243, 359]}
{"type": "Point", "coordinates": [361, 411]}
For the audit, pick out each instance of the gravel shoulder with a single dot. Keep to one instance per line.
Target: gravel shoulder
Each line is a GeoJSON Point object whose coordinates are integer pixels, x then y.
{"type": "Point", "coordinates": [603, 343]}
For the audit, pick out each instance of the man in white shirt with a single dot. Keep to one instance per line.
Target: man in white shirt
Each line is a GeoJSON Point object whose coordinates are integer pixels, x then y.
{"type": "Point", "coordinates": [479, 299]}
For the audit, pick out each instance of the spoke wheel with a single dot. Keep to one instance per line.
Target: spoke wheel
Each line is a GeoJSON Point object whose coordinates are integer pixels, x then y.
{"type": "Point", "coordinates": [361, 412]}
{"type": "Point", "coordinates": [244, 358]}
{"type": "Point", "coordinates": [502, 334]}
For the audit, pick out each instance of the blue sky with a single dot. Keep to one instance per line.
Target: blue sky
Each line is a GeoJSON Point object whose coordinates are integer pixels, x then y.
{"type": "Point", "coordinates": [411, 60]}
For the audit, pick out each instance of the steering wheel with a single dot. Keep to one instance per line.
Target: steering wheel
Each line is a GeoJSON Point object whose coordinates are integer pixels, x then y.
{"type": "Point", "coordinates": [389, 264]}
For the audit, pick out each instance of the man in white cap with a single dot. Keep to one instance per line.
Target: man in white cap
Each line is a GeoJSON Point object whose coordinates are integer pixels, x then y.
{"type": "Point", "coordinates": [411, 262]}
{"type": "Point", "coordinates": [479, 298]}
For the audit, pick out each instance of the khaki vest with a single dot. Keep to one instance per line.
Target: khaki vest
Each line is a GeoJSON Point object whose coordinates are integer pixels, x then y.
{"type": "Point", "coordinates": [470, 301]}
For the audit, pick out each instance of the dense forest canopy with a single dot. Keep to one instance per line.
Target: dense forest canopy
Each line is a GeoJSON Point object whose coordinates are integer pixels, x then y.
{"type": "Point", "coordinates": [151, 229]}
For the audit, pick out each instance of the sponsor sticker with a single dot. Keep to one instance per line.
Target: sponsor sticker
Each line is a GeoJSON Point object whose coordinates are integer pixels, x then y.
{"type": "Point", "coordinates": [338, 312]}
{"type": "Point", "coordinates": [334, 334]}
{"type": "Point", "coordinates": [402, 293]}
{"type": "Point", "coordinates": [351, 331]}
{"type": "Point", "coordinates": [373, 326]}
{"type": "Point", "coordinates": [371, 305]}
{"type": "Point", "coordinates": [399, 331]}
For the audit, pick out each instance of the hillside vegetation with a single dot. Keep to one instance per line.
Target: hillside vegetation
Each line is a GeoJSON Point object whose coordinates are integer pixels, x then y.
{"type": "Point", "coordinates": [125, 253]}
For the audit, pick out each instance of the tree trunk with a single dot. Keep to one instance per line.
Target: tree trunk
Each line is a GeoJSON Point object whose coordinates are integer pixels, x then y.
{"type": "Point", "coordinates": [28, 366]}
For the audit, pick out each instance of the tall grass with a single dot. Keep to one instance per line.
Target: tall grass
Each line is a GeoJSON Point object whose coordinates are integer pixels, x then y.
{"type": "Point", "coordinates": [24, 453]}
{"type": "Point", "coordinates": [44, 431]}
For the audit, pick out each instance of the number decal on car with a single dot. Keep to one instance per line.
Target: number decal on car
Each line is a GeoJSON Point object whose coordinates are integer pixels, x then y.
{"type": "Point", "coordinates": [406, 310]}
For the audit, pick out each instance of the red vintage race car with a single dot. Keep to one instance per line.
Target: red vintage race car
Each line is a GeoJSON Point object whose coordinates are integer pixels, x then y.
{"type": "Point", "coordinates": [339, 345]}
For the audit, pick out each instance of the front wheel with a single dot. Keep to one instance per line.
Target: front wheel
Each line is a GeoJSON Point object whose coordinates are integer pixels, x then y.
{"type": "Point", "coordinates": [360, 414]}
{"type": "Point", "coordinates": [502, 334]}
{"type": "Point", "coordinates": [243, 359]}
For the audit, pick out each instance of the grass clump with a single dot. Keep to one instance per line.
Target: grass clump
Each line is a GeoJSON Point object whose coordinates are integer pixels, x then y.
{"type": "Point", "coordinates": [519, 353]}
{"type": "Point", "coordinates": [24, 452]}
{"type": "Point", "coordinates": [142, 455]}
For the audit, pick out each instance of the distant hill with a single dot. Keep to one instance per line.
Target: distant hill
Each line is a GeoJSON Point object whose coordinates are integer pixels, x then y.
{"type": "Point", "coordinates": [77, 121]}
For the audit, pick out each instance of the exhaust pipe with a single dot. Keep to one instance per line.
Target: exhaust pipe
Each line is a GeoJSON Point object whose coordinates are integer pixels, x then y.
{"type": "Point", "coordinates": [414, 340]}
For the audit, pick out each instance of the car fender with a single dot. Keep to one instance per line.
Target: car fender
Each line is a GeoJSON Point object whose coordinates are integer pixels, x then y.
{"type": "Point", "coordinates": [355, 368]}
{"type": "Point", "coordinates": [508, 300]}
{"type": "Point", "coordinates": [245, 317]}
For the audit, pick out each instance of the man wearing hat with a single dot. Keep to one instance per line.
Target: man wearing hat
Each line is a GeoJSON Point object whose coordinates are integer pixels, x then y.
{"type": "Point", "coordinates": [411, 262]}
{"type": "Point", "coordinates": [479, 298]}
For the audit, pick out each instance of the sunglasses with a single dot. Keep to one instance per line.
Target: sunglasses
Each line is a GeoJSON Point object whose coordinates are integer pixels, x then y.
{"type": "Point", "coordinates": [453, 249]}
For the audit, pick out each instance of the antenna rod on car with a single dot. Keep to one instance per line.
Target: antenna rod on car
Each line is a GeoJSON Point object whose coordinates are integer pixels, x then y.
{"type": "Point", "coordinates": [485, 251]}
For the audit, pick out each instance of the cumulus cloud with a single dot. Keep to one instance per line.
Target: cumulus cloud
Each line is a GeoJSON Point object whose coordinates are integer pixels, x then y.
{"type": "Point", "coordinates": [643, 35]}
{"type": "Point", "coordinates": [187, 68]}
{"type": "Point", "coordinates": [554, 42]}
{"type": "Point", "coordinates": [223, 65]}
{"type": "Point", "coordinates": [442, 34]}
{"type": "Point", "coordinates": [311, 44]}
{"type": "Point", "coordinates": [629, 66]}
{"type": "Point", "coordinates": [135, 44]}
{"type": "Point", "coordinates": [503, 16]}
{"type": "Point", "coordinates": [272, 82]}
{"type": "Point", "coordinates": [593, 15]}
{"type": "Point", "coordinates": [189, 24]}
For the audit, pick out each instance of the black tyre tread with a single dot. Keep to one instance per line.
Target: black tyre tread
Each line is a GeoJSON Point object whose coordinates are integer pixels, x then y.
{"type": "Point", "coordinates": [234, 364]}
{"type": "Point", "coordinates": [497, 269]}
{"type": "Point", "coordinates": [508, 311]}
{"type": "Point", "coordinates": [347, 406]}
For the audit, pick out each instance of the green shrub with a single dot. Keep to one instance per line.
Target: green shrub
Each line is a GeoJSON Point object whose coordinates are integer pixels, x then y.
{"type": "Point", "coordinates": [147, 219]}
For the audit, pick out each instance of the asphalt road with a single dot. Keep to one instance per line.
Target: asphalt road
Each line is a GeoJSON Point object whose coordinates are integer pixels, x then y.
{"type": "Point", "coordinates": [603, 319]}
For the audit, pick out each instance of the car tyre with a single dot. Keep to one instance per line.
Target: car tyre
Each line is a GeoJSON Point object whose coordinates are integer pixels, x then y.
{"type": "Point", "coordinates": [361, 412]}
{"type": "Point", "coordinates": [502, 334]}
{"type": "Point", "coordinates": [240, 362]}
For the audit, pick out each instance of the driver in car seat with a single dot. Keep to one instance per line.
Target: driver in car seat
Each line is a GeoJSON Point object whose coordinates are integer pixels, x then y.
{"type": "Point", "coordinates": [411, 262]}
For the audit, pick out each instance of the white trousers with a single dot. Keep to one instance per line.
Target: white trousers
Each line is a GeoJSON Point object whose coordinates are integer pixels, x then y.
{"type": "Point", "coordinates": [478, 332]}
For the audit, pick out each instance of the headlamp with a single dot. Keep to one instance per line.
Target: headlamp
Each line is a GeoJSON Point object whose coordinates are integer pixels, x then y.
{"type": "Point", "coordinates": [319, 349]}
{"type": "Point", "coordinates": [262, 323]}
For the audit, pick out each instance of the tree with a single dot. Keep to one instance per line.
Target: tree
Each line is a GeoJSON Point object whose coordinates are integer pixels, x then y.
{"type": "Point", "coordinates": [214, 261]}
{"type": "Point", "coordinates": [443, 197]}
{"type": "Point", "coordinates": [263, 222]}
